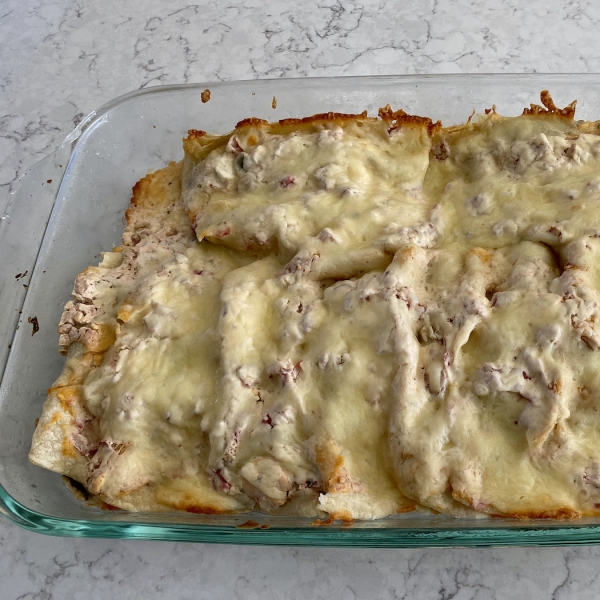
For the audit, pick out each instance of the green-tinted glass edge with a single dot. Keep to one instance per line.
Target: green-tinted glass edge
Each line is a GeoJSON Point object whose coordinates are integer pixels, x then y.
{"type": "Point", "coordinates": [317, 536]}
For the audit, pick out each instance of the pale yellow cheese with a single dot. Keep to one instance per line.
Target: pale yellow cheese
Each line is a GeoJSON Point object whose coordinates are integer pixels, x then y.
{"type": "Point", "coordinates": [337, 199]}
{"type": "Point", "coordinates": [157, 381]}
{"type": "Point", "coordinates": [303, 402]}
{"type": "Point", "coordinates": [507, 430]}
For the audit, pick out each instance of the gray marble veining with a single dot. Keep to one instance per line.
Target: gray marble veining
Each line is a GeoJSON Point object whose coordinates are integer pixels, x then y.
{"type": "Point", "coordinates": [61, 59]}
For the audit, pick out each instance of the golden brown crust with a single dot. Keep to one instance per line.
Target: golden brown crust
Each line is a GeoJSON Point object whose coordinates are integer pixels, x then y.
{"type": "Point", "coordinates": [319, 117]}
{"type": "Point", "coordinates": [344, 515]}
{"type": "Point", "coordinates": [252, 122]}
{"type": "Point", "coordinates": [52, 445]}
{"type": "Point", "coordinates": [331, 465]}
{"type": "Point", "coordinates": [105, 338]}
{"type": "Point", "coordinates": [401, 119]}
{"type": "Point", "coordinates": [591, 127]}
{"type": "Point", "coordinates": [196, 133]}
{"type": "Point", "coordinates": [248, 525]}
{"type": "Point", "coordinates": [74, 374]}
{"type": "Point", "coordinates": [126, 312]}
{"type": "Point", "coordinates": [156, 189]}
{"type": "Point", "coordinates": [198, 144]}
{"type": "Point", "coordinates": [323, 522]}
{"type": "Point", "coordinates": [68, 449]}
{"type": "Point", "coordinates": [560, 514]}
{"type": "Point", "coordinates": [202, 510]}
{"type": "Point", "coordinates": [69, 396]}
{"type": "Point", "coordinates": [549, 108]}
{"type": "Point", "coordinates": [329, 116]}
{"type": "Point", "coordinates": [176, 496]}
{"type": "Point", "coordinates": [338, 478]}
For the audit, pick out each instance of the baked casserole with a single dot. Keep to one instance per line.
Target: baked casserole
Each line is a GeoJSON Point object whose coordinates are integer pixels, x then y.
{"type": "Point", "coordinates": [345, 317]}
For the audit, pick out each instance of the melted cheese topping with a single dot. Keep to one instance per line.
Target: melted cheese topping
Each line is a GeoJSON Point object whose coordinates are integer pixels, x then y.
{"type": "Point", "coordinates": [157, 380]}
{"type": "Point", "coordinates": [374, 316]}
{"type": "Point", "coordinates": [507, 434]}
{"type": "Point", "coordinates": [342, 198]}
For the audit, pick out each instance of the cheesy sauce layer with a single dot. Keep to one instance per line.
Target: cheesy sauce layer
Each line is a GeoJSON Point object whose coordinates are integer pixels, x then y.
{"type": "Point", "coordinates": [373, 315]}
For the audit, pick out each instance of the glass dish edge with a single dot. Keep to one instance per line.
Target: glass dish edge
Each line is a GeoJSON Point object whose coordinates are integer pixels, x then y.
{"type": "Point", "coordinates": [539, 534]}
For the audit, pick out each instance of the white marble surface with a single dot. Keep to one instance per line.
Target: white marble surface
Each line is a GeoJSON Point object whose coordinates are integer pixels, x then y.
{"type": "Point", "coordinates": [41, 568]}
{"type": "Point", "coordinates": [59, 59]}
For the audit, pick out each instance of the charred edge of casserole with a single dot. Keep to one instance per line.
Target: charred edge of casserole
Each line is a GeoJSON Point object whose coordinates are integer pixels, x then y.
{"type": "Point", "coordinates": [248, 525]}
{"type": "Point", "coordinates": [252, 122]}
{"type": "Point", "coordinates": [345, 516]}
{"type": "Point", "coordinates": [407, 509]}
{"type": "Point", "coordinates": [549, 108]}
{"type": "Point", "coordinates": [592, 127]}
{"type": "Point", "coordinates": [143, 192]}
{"type": "Point", "coordinates": [401, 118]}
{"type": "Point", "coordinates": [329, 116]}
{"type": "Point", "coordinates": [560, 514]}
{"type": "Point", "coordinates": [141, 189]}
{"type": "Point", "coordinates": [196, 133]}
{"type": "Point", "coordinates": [83, 495]}
{"type": "Point", "coordinates": [204, 510]}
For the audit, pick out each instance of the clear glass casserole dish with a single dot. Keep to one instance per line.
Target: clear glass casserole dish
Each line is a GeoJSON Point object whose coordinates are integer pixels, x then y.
{"type": "Point", "coordinates": [69, 208]}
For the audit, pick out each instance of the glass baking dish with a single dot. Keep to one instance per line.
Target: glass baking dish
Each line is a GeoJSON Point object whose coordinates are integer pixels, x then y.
{"type": "Point", "coordinates": [69, 208]}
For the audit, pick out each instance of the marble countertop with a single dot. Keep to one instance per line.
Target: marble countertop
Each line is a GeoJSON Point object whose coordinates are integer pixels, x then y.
{"type": "Point", "coordinates": [61, 59]}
